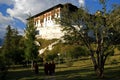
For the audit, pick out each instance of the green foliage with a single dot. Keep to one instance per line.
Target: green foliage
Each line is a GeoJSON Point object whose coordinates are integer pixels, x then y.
{"type": "Point", "coordinates": [74, 51]}
{"type": "Point", "coordinates": [7, 49]}
{"type": "Point", "coordinates": [51, 56]}
{"type": "Point", "coordinates": [81, 51]}
{"type": "Point", "coordinates": [11, 51]}
{"type": "Point", "coordinates": [31, 49]}
{"type": "Point", "coordinates": [110, 52]}
{"type": "Point", "coordinates": [66, 51]}
{"type": "Point", "coordinates": [114, 24]}
{"type": "Point", "coordinates": [77, 26]}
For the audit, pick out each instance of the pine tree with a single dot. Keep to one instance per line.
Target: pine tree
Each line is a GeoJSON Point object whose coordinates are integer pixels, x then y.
{"type": "Point", "coordinates": [5, 56]}
{"type": "Point", "coordinates": [10, 47]}
{"type": "Point", "coordinates": [7, 49]}
{"type": "Point", "coordinates": [31, 49]}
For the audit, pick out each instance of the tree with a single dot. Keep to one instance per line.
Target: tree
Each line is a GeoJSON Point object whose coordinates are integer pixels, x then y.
{"type": "Point", "coordinates": [6, 56]}
{"type": "Point", "coordinates": [11, 48]}
{"type": "Point", "coordinates": [6, 48]}
{"type": "Point", "coordinates": [31, 49]}
{"type": "Point", "coordinates": [17, 49]}
{"type": "Point", "coordinates": [81, 27]}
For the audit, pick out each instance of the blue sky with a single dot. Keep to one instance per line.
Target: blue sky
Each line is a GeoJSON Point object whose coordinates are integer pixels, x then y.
{"type": "Point", "coordinates": [93, 5]}
{"type": "Point", "coordinates": [15, 12]}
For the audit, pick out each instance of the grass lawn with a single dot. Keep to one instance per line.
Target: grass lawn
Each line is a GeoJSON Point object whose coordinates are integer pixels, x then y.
{"type": "Point", "coordinates": [80, 70]}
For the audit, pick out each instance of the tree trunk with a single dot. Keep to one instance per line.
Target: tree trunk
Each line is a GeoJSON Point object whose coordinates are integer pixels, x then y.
{"type": "Point", "coordinates": [100, 72]}
{"type": "Point", "coordinates": [99, 67]}
{"type": "Point", "coordinates": [98, 64]}
{"type": "Point", "coordinates": [32, 64]}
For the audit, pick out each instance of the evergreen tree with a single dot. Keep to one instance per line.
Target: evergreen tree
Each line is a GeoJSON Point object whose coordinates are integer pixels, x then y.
{"type": "Point", "coordinates": [5, 56]}
{"type": "Point", "coordinates": [11, 47]}
{"type": "Point", "coordinates": [7, 49]}
{"type": "Point", "coordinates": [31, 49]}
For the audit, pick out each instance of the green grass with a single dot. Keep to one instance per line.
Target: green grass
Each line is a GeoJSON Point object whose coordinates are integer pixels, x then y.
{"type": "Point", "coordinates": [80, 70]}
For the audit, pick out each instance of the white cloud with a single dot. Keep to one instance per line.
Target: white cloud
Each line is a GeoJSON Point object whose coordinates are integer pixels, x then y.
{"type": "Point", "coordinates": [4, 22]}
{"type": "Point", "coordinates": [2, 30]}
{"type": "Point", "coordinates": [5, 19]}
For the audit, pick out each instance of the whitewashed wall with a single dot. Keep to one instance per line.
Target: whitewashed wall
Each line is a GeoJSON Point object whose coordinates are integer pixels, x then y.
{"type": "Point", "coordinates": [49, 29]}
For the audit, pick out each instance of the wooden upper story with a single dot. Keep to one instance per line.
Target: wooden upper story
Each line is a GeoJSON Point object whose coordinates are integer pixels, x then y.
{"type": "Point", "coordinates": [50, 14]}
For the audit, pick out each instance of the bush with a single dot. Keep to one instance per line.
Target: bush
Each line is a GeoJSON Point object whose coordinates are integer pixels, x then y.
{"type": "Point", "coordinates": [51, 56]}
{"type": "Point", "coordinates": [80, 51]}
{"type": "Point", "coordinates": [66, 50]}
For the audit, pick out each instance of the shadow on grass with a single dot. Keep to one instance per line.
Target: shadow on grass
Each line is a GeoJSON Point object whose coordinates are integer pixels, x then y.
{"type": "Point", "coordinates": [113, 73]}
{"type": "Point", "coordinates": [87, 73]}
{"type": "Point", "coordinates": [24, 75]}
{"type": "Point", "coordinates": [82, 73]}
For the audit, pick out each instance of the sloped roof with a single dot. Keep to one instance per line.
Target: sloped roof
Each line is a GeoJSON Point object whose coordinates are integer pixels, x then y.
{"type": "Point", "coordinates": [56, 6]}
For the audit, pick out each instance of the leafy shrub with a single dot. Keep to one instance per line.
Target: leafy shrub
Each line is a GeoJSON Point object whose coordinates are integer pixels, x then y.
{"type": "Point", "coordinates": [80, 51]}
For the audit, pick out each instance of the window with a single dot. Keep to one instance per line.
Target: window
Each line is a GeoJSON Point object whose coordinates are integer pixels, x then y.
{"type": "Point", "coordinates": [48, 17]}
{"type": "Point", "coordinates": [53, 16]}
